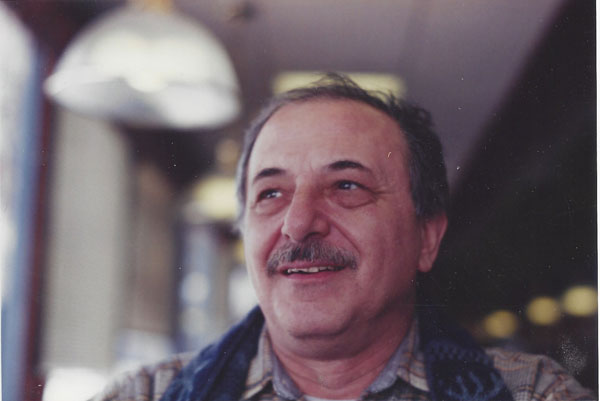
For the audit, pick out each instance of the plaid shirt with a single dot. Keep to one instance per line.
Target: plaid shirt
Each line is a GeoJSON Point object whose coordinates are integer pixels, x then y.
{"type": "Point", "coordinates": [529, 377]}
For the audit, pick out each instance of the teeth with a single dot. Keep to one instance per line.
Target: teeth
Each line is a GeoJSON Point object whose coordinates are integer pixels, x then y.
{"type": "Point", "coordinates": [309, 270]}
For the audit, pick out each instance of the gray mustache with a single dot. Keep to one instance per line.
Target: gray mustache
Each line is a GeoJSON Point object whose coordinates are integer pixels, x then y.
{"type": "Point", "coordinates": [312, 251]}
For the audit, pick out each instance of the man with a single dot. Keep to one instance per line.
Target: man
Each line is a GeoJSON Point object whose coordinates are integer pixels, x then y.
{"type": "Point", "coordinates": [343, 198]}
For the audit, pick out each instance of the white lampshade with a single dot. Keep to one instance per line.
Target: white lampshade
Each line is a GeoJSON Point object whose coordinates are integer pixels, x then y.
{"type": "Point", "coordinates": [147, 68]}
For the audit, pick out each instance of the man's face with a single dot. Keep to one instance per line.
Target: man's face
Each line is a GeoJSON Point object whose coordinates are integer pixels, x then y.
{"type": "Point", "coordinates": [328, 191]}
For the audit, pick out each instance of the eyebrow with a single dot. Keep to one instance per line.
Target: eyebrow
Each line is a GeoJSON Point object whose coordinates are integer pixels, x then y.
{"type": "Point", "coordinates": [335, 166]}
{"type": "Point", "coordinates": [347, 164]}
{"type": "Point", "coordinates": [267, 172]}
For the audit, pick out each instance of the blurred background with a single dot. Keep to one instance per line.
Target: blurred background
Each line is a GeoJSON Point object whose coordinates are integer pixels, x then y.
{"type": "Point", "coordinates": [120, 129]}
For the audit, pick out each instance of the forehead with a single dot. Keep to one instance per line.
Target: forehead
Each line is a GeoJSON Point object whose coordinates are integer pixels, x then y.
{"type": "Point", "coordinates": [321, 130]}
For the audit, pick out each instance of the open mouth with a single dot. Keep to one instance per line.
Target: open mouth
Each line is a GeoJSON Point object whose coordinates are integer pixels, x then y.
{"type": "Point", "coordinates": [311, 270]}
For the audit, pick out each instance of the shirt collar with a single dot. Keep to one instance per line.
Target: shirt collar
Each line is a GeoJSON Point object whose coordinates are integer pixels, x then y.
{"type": "Point", "coordinates": [266, 370]}
{"type": "Point", "coordinates": [260, 372]}
{"type": "Point", "coordinates": [407, 363]}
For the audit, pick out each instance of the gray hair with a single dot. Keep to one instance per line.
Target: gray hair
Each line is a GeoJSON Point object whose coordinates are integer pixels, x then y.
{"type": "Point", "coordinates": [427, 170]}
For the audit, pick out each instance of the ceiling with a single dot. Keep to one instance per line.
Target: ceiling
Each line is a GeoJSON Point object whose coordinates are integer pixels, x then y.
{"type": "Point", "coordinates": [458, 58]}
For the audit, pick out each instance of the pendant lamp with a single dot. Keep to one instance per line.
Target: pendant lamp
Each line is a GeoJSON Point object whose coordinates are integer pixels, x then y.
{"type": "Point", "coordinates": [147, 67]}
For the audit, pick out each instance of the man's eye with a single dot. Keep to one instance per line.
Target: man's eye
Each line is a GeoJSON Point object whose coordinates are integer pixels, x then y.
{"type": "Point", "coordinates": [348, 185]}
{"type": "Point", "coordinates": [269, 194]}
{"type": "Point", "coordinates": [350, 194]}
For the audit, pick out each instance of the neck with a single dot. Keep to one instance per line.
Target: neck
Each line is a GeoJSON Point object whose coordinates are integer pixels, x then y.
{"type": "Point", "coordinates": [337, 369]}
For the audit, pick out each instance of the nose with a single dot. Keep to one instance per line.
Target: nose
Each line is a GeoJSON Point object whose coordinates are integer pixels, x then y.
{"type": "Point", "coordinates": [304, 219]}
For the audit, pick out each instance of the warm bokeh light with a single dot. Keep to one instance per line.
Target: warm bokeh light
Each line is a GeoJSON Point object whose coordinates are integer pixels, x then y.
{"type": "Point", "coordinates": [238, 251]}
{"type": "Point", "coordinates": [543, 311]}
{"type": "Point", "coordinates": [215, 197]}
{"type": "Point", "coordinates": [367, 80]}
{"type": "Point", "coordinates": [227, 152]}
{"type": "Point", "coordinates": [501, 324]}
{"type": "Point", "coordinates": [580, 301]}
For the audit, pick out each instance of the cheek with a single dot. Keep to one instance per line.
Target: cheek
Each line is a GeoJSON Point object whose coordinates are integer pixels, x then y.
{"type": "Point", "coordinates": [259, 242]}
{"type": "Point", "coordinates": [388, 241]}
{"type": "Point", "coordinates": [254, 269]}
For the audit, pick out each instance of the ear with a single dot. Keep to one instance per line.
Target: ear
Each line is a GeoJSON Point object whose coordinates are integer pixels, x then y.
{"type": "Point", "coordinates": [432, 232]}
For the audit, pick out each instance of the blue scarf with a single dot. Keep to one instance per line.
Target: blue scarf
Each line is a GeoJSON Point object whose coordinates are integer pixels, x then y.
{"type": "Point", "coordinates": [457, 368]}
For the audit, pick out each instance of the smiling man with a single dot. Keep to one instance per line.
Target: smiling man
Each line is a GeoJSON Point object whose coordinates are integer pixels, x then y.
{"type": "Point", "coordinates": [333, 242]}
{"type": "Point", "coordinates": [343, 201]}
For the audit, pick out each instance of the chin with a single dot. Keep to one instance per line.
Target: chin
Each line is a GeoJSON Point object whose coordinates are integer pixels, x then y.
{"type": "Point", "coordinates": [314, 330]}
{"type": "Point", "coordinates": [306, 323]}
